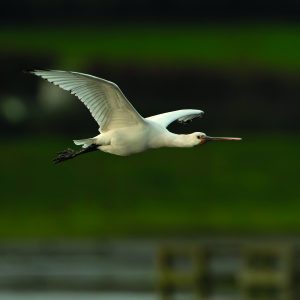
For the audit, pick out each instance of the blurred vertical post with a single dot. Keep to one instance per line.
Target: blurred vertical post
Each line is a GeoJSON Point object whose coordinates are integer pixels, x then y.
{"type": "Point", "coordinates": [183, 270]}
{"type": "Point", "coordinates": [267, 272]}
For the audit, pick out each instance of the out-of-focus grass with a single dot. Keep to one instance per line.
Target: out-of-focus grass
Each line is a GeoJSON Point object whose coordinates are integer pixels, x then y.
{"type": "Point", "coordinates": [244, 45]}
{"type": "Point", "coordinates": [251, 186]}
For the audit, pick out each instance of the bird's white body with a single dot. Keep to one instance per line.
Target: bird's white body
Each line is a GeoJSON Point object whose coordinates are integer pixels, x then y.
{"type": "Point", "coordinates": [123, 131]}
{"type": "Point", "coordinates": [129, 140]}
{"type": "Point", "coordinates": [125, 141]}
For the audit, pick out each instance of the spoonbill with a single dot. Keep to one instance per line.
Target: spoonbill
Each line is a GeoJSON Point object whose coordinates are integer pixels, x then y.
{"type": "Point", "coordinates": [123, 131]}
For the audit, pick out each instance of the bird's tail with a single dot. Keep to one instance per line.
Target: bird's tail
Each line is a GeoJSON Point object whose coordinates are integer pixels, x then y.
{"type": "Point", "coordinates": [85, 142]}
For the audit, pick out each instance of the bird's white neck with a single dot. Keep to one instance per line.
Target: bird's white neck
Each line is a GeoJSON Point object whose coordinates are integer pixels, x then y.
{"type": "Point", "coordinates": [180, 140]}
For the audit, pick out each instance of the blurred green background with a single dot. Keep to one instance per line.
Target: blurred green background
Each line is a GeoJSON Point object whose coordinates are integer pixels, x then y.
{"type": "Point", "coordinates": [244, 73]}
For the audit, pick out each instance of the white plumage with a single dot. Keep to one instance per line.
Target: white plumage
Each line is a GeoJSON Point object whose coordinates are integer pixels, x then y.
{"type": "Point", "coordinates": [103, 98]}
{"type": "Point", "coordinates": [123, 131]}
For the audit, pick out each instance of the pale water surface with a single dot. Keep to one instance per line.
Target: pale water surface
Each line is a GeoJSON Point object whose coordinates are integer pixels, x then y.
{"type": "Point", "coordinates": [76, 296]}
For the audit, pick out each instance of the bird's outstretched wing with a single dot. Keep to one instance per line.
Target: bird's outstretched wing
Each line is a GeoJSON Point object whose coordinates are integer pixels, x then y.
{"type": "Point", "coordinates": [182, 116]}
{"type": "Point", "coordinates": [103, 98]}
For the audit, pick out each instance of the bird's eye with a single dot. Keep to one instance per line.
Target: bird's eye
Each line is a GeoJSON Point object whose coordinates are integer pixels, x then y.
{"type": "Point", "coordinates": [198, 137]}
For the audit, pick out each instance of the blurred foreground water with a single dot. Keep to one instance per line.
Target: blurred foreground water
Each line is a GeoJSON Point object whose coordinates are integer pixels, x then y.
{"type": "Point", "coordinates": [75, 296]}
{"type": "Point", "coordinates": [215, 268]}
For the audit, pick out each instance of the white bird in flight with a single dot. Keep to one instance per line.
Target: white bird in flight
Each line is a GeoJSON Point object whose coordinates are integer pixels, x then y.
{"type": "Point", "coordinates": [123, 131]}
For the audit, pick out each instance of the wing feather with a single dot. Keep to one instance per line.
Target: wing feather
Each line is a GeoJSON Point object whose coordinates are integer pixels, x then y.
{"type": "Point", "coordinates": [103, 98]}
{"type": "Point", "coordinates": [182, 116]}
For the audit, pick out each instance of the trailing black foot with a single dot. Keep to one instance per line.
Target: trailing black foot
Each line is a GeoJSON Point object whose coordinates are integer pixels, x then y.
{"type": "Point", "coordinates": [70, 153]}
{"type": "Point", "coordinates": [64, 155]}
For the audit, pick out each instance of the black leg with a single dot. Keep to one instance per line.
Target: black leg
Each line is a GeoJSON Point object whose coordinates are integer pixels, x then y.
{"type": "Point", "coordinates": [70, 153]}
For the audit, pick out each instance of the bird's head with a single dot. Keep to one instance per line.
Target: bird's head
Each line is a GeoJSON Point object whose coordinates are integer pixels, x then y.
{"type": "Point", "coordinates": [200, 138]}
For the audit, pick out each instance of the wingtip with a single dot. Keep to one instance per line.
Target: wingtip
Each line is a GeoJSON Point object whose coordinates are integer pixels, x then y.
{"type": "Point", "coordinates": [34, 71]}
